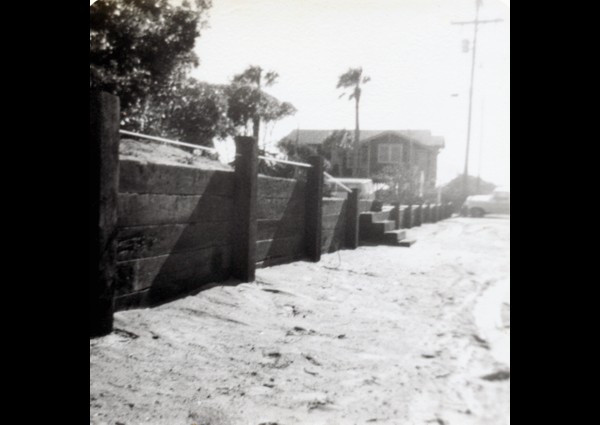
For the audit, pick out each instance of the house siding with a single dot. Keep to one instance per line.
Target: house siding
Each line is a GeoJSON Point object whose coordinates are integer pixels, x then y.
{"type": "Point", "coordinates": [411, 153]}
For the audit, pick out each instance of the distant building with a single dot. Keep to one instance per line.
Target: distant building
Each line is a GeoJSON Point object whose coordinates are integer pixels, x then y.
{"type": "Point", "coordinates": [416, 149]}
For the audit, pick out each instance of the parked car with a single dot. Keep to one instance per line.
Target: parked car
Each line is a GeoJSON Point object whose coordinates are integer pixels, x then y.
{"type": "Point", "coordinates": [366, 187]}
{"type": "Point", "coordinates": [498, 202]}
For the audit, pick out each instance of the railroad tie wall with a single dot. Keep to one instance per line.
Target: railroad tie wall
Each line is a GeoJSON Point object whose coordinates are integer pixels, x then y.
{"type": "Point", "coordinates": [281, 220]}
{"type": "Point", "coordinates": [333, 233]}
{"type": "Point", "coordinates": [174, 231]}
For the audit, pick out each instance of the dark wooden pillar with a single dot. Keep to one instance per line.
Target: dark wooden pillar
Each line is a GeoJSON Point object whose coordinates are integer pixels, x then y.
{"type": "Point", "coordinates": [397, 215]}
{"type": "Point", "coordinates": [314, 205]}
{"type": "Point", "coordinates": [407, 219]}
{"type": "Point", "coordinates": [103, 192]}
{"type": "Point", "coordinates": [418, 215]}
{"type": "Point", "coordinates": [352, 219]}
{"type": "Point", "coordinates": [244, 241]}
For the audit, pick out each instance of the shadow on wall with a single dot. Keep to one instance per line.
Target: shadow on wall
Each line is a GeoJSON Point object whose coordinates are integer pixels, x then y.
{"type": "Point", "coordinates": [175, 232]}
{"type": "Point", "coordinates": [176, 229]}
{"type": "Point", "coordinates": [281, 221]}
{"type": "Point", "coordinates": [333, 224]}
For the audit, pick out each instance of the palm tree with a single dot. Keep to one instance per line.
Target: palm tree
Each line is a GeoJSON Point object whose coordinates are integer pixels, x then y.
{"type": "Point", "coordinates": [352, 80]}
{"type": "Point", "coordinates": [254, 79]}
{"type": "Point", "coordinates": [247, 102]}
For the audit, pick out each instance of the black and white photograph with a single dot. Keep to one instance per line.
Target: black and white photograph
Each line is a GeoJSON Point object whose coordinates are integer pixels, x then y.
{"type": "Point", "coordinates": [299, 212]}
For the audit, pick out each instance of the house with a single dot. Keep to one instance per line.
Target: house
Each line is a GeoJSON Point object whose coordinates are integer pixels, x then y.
{"type": "Point", "coordinates": [380, 151]}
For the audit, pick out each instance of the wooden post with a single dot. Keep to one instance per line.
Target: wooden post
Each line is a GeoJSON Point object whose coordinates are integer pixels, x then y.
{"type": "Point", "coordinates": [314, 205]}
{"type": "Point", "coordinates": [407, 219]}
{"type": "Point", "coordinates": [415, 214]}
{"type": "Point", "coordinates": [103, 192]}
{"type": "Point", "coordinates": [245, 192]}
{"type": "Point", "coordinates": [352, 219]}
{"type": "Point", "coordinates": [396, 215]}
{"type": "Point", "coordinates": [418, 215]}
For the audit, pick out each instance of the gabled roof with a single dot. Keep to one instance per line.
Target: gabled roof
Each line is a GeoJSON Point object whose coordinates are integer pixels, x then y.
{"type": "Point", "coordinates": [316, 137]}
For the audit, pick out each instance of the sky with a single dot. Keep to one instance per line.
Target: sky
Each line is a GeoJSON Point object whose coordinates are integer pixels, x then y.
{"type": "Point", "coordinates": [414, 55]}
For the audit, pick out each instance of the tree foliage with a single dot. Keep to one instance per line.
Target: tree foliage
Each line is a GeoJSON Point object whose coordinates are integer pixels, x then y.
{"type": "Point", "coordinates": [402, 181]}
{"type": "Point", "coordinates": [453, 190]}
{"type": "Point", "coordinates": [339, 141]}
{"type": "Point", "coordinates": [247, 102]}
{"type": "Point", "coordinates": [142, 52]}
{"type": "Point", "coordinates": [140, 48]}
{"type": "Point", "coordinates": [293, 152]}
{"type": "Point", "coordinates": [296, 152]}
{"type": "Point", "coordinates": [351, 82]}
{"type": "Point", "coordinates": [195, 113]}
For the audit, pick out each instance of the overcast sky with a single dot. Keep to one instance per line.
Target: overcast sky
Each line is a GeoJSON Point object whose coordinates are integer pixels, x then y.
{"type": "Point", "coordinates": [414, 55]}
{"type": "Point", "coordinates": [420, 74]}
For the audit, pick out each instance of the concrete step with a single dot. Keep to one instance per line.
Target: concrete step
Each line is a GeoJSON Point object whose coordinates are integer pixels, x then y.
{"type": "Point", "coordinates": [374, 231]}
{"type": "Point", "coordinates": [406, 242]}
{"type": "Point", "coordinates": [384, 226]}
{"type": "Point", "coordinates": [394, 236]}
{"type": "Point", "coordinates": [369, 217]}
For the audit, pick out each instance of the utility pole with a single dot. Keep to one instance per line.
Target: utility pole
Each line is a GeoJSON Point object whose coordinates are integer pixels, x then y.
{"type": "Point", "coordinates": [475, 24]}
{"type": "Point", "coordinates": [480, 147]}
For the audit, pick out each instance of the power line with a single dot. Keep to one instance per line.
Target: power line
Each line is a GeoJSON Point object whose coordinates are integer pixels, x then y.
{"type": "Point", "coordinates": [481, 21]}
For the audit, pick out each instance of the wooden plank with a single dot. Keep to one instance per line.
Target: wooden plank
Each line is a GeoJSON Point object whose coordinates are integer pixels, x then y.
{"type": "Point", "coordinates": [364, 205]}
{"type": "Point", "coordinates": [132, 300]}
{"type": "Point", "coordinates": [333, 206]}
{"type": "Point", "coordinates": [401, 217]}
{"type": "Point", "coordinates": [333, 239]}
{"type": "Point", "coordinates": [289, 225]}
{"type": "Point", "coordinates": [434, 213]}
{"type": "Point", "coordinates": [174, 274]}
{"type": "Point", "coordinates": [333, 221]}
{"type": "Point", "coordinates": [146, 209]}
{"type": "Point", "coordinates": [277, 208]}
{"type": "Point", "coordinates": [274, 187]}
{"type": "Point", "coordinates": [279, 260]}
{"type": "Point", "coordinates": [427, 213]}
{"type": "Point", "coordinates": [151, 241]}
{"type": "Point", "coordinates": [417, 215]}
{"type": "Point", "coordinates": [139, 177]}
{"type": "Point", "coordinates": [282, 247]}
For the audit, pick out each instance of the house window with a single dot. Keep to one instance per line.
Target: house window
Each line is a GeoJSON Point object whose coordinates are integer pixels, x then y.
{"type": "Point", "coordinates": [389, 154]}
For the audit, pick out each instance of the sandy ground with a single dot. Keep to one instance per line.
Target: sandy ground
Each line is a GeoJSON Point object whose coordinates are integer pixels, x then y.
{"type": "Point", "coordinates": [383, 335]}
